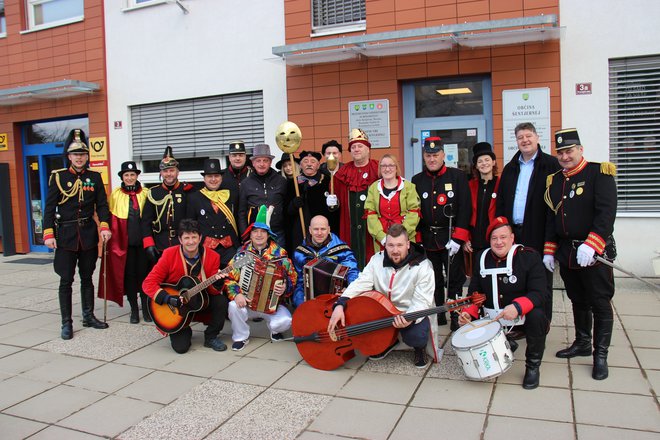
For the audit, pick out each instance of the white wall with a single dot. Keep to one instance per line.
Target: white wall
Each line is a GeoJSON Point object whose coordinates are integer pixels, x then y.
{"type": "Point", "coordinates": [158, 53]}
{"type": "Point", "coordinates": [595, 31]}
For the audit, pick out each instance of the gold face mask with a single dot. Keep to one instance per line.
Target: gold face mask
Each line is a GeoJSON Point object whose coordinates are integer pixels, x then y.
{"type": "Point", "coordinates": [288, 137]}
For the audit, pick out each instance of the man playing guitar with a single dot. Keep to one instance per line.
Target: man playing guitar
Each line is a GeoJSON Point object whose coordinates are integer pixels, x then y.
{"type": "Point", "coordinates": [192, 259]}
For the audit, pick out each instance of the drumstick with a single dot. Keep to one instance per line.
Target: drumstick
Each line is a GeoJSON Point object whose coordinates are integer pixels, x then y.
{"type": "Point", "coordinates": [483, 324]}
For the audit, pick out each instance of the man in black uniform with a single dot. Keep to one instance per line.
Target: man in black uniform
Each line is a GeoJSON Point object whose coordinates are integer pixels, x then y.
{"type": "Point", "coordinates": [519, 295]}
{"type": "Point", "coordinates": [444, 192]}
{"type": "Point", "coordinates": [582, 199]}
{"type": "Point", "coordinates": [520, 194]}
{"type": "Point", "coordinates": [235, 173]}
{"type": "Point", "coordinates": [164, 209]}
{"type": "Point", "coordinates": [74, 195]}
{"type": "Point", "coordinates": [216, 221]}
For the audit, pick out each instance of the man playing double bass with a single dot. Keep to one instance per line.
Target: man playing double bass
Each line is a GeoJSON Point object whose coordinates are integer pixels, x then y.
{"type": "Point", "coordinates": [404, 275]}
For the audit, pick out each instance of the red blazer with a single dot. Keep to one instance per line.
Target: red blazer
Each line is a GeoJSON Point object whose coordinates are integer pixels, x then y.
{"type": "Point", "coordinates": [172, 266]}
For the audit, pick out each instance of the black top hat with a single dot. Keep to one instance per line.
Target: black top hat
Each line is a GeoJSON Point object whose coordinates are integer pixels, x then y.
{"type": "Point", "coordinates": [315, 154]}
{"type": "Point", "coordinates": [332, 143]}
{"type": "Point", "coordinates": [481, 149]}
{"type": "Point", "coordinates": [285, 158]}
{"type": "Point", "coordinates": [567, 138]}
{"type": "Point", "coordinates": [128, 166]}
{"type": "Point", "coordinates": [433, 145]}
{"type": "Point", "coordinates": [237, 147]}
{"type": "Point", "coordinates": [211, 166]}
{"type": "Point", "coordinates": [76, 142]}
{"type": "Point", "coordinates": [168, 160]}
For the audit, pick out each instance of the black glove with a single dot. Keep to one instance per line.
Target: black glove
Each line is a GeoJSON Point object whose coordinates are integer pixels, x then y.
{"type": "Point", "coordinates": [153, 254]}
{"type": "Point", "coordinates": [174, 301]}
{"type": "Point", "coordinates": [298, 202]}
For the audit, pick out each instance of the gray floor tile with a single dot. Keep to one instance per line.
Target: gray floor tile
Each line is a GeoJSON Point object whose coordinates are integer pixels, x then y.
{"type": "Point", "coordinates": [6, 350]}
{"type": "Point", "coordinates": [552, 374]}
{"type": "Point", "coordinates": [157, 355]}
{"type": "Point", "coordinates": [268, 411]}
{"type": "Point", "coordinates": [277, 351]}
{"type": "Point", "coordinates": [380, 387]}
{"type": "Point", "coordinates": [645, 338]}
{"type": "Point", "coordinates": [62, 369]}
{"type": "Point", "coordinates": [255, 371]}
{"type": "Point", "coordinates": [307, 379]}
{"type": "Point", "coordinates": [17, 388]}
{"type": "Point", "coordinates": [160, 387]}
{"type": "Point", "coordinates": [542, 403]}
{"type": "Point", "coordinates": [620, 380]}
{"type": "Point", "coordinates": [433, 424]}
{"type": "Point", "coordinates": [15, 428]}
{"type": "Point", "coordinates": [397, 362]}
{"type": "Point", "coordinates": [55, 404]}
{"type": "Point", "coordinates": [202, 409]}
{"type": "Point", "coordinates": [109, 377]}
{"type": "Point", "coordinates": [649, 358]}
{"type": "Point", "coordinates": [449, 367]}
{"type": "Point", "coordinates": [310, 435]}
{"type": "Point", "coordinates": [640, 322]}
{"type": "Point", "coordinates": [616, 410]}
{"type": "Point", "coordinates": [26, 360]}
{"type": "Point", "coordinates": [203, 362]}
{"type": "Point", "coordinates": [453, 395]}
{"type": "Point", "coordinates": [617, 357]}
{"type": "Point", "coordinates": [125, 413]}
{"type": "Point", "coordinates": [57, 433]}
{"type": "Point", "coordinates": [503, 427]}
{"type": "Point", "coordinates": [654, 379]}
{"type": "Point", "coordinates": [357, 418]}
{"type": "Point", "coordinates": [11, 315]}
{"type": "Point", "coordinates": [588, 432]}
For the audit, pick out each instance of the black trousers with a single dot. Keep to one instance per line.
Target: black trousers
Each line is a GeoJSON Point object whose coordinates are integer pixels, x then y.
{"type": "Point", "coordinates": [218, 307]}
{"type": "Point", "coordinates": [456, 274]}
{"type": "Point", "coordinates": [226, 254]}
{"type": "Point", "coordinates": [416, 335]}
{"type": "Point", "coordinates": [65, 263]}
{"type": "Point", "coordinates": [135, 271]}
{"type": "Point", "coordinates": [590, 288]}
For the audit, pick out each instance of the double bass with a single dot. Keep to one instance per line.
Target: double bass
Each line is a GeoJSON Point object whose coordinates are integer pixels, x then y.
{"type": "Point", "coordinates": [369, 328]}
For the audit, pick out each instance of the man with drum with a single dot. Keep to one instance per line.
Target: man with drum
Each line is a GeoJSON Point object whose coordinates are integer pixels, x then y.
{"type": "Point", "coordinates": [516, 295]}
{"type": "Point", "coordinates": [404, 275]}
{"type": "Point", "coordinates": [262, 247]}
{"type": "Point", "coordinates": [321, 243]}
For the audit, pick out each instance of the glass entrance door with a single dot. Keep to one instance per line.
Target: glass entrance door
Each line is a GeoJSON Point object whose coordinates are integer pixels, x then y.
{"type": "Point", "coordinates": [38, 169]}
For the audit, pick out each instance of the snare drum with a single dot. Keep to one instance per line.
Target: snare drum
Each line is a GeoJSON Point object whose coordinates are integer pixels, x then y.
{"type": "Point", "coordinates": [482, 350]}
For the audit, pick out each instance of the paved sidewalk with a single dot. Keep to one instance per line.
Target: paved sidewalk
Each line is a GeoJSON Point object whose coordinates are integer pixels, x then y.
{"type": "Point", "coordinates": [126, 382]}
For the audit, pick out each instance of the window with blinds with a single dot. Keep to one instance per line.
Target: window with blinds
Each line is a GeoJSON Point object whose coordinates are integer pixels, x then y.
{"type": "Point", "coordinates": [198, 127]}
{"type": "Point", "coordinates": [635, 131]}
{"type": "Point", "coordinates": [328, 14]}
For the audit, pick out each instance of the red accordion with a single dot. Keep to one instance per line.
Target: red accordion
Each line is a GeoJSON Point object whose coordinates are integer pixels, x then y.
{"type": "Point", "coordinates": [323, 276]}
{"type": "Point", "coordinates": [257, 283]}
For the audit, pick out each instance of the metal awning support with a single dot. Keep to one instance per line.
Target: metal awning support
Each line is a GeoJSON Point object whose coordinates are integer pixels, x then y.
{"type": "Point", "coordinates": [429, 39]}
{"type": "Point", "coordinates": [54, 90]}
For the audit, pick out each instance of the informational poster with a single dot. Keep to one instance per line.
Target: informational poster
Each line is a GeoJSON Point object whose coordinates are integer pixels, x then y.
{"type": "Point", "coordinates": [98, 157]}
{"type": "Point", "coordinates": [526, 105]}
{"type": "Point", "coordinates": [3, 142]}
{"type": "Point", "coordinates": [451, 155]}
{"type": "Point", "coordinates": [374, 118]}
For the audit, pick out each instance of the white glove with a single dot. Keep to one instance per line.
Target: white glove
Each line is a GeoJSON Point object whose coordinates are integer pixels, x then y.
{"type": "Point", "coordinates": [331, 200]}
{"type": "Point", "coordinates": [549, 262]}
{"type": "Point", "coordinates": [452, 247]}
{"type": "Point", "coordinates": [585, 255]}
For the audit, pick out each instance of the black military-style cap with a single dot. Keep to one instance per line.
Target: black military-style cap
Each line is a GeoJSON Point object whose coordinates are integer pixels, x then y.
{"type": "Point", "coordinates": [566, 138]}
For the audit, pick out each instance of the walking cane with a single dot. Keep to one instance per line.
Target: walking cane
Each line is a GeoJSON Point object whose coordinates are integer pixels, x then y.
{"type": "Point", "coordinates": [295, 184]}
{"type": "Point", "coordinates": [627, 272]}
{"type": "Point", "coordinates": [104, 263]}
{"type": "Point", "coordinates": [288, 137]}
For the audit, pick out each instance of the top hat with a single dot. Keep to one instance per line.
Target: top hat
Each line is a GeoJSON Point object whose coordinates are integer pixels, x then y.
{"type": "Point", "coordinates": [358, 135]}
{"type": "Point", "coordinates": [286, 157]}
{"type": "Point", "coordinates": [332, 143]}
{"type": "Point", "coordinates": [76, 142]}
{"type": "Point", "coordinates": [433, 144]}
{"type": "Point", "coordinates": [211, 166]}
{"type": "Point", "coordinates": [566, 138]}
{"type": "Point", "coordinates": [261, 150]}
{"type": "Point", "coordinates": [496, 223]}
{"type": "Point", "coordinates": [128, 166]}
{"type": "Point", "coordinates": [315, 154]}
{"type": "Point", "coordinates": [481, 149]}
{"type": "Point", "coordinates": [237, 147]}
{"type": "Point", "coordinates": [168, 160]}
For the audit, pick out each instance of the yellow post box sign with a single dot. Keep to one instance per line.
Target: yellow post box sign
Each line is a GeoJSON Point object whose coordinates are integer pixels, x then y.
{"type": "Point", "coordinates": [98, 156]}
{"type": "Point", "coordinates": [4, 145]}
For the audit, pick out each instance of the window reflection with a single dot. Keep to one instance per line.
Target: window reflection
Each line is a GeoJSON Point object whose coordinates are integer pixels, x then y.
{"type": "Point", "coordinates": [449, 98]}
{"type": "Point", "coordinates": [54, 131]}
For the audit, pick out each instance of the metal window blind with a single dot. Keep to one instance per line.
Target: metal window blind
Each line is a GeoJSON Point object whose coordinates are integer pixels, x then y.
{"type": "Point", "coordinates": [197, 127]}
{"type": "Point", "coordinates": [635, 131]}
{"type": "Point", "coordinates": [337, 12]}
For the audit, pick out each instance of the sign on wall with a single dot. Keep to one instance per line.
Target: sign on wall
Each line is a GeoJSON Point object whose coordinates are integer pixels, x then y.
{"type": "Point", "coordinates": [4, 146]}
{"type": "Point", "coordinates": [525, 105]}
{"type": "Point", "coordinates": [374, 118]}
{"type": "Point", "coordinates": [98, 156]}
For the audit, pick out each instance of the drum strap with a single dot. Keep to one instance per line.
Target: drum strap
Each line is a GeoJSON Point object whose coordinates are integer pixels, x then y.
{"type": "Point", "coordinates": [495, 271]}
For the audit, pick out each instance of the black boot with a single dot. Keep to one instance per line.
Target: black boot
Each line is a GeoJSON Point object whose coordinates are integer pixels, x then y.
{"type": "Point", "coordinates": [453, 326]}
{"type": "Point", "coordinates": [146, 314]}
{"type": "Point", "coordinates": [602, 338]}
{"type": "Point", "coordinates": [582, 344]}
{"type": "Point", "coordinates": [89, 320]}
{"type": "Point", "coordinates": [533, 357]}
{"type": "Point", "coordinates": [65, 310]}
{"type": "Point", "coordinates": [135, 311]}
{"type": "Point", "coordinates": [442, 319]}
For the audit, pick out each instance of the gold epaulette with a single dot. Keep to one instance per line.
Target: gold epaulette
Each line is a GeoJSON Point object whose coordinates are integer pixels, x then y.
{"type": "Point", "coordinates": [50, 178]}
{"type": "Point", "coordinates": [548, 180]}
{"type": "Point", "coordinates": [608, 168]}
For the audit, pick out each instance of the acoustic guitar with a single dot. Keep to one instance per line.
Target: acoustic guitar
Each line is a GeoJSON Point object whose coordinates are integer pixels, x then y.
{"type": "Point", "coordinates": [170, 319]}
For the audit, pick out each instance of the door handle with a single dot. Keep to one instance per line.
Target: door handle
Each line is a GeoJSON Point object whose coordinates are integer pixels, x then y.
{"type": "Point", "coordinates": [413, 141]}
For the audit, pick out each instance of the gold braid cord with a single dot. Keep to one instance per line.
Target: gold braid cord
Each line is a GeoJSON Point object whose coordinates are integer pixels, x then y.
{"type": "Point", "coordinates": [166, 203]}
{"type": "Point", "coordinates": [546, 196]}
{"type": "Point", "coordinates": [76, 189]}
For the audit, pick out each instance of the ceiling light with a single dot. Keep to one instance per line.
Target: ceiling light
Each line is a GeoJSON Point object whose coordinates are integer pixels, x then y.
{"type": "Point", "coordinates": [457, 91]}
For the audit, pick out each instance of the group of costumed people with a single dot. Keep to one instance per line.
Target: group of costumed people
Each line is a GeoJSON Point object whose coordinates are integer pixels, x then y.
{"type": "Point", "coordinates": [407, 239]}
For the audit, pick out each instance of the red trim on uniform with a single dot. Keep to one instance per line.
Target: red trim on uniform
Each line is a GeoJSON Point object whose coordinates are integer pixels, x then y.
{"type": "Point", "coordinates": [417, 210]}
{"type": "Point", "coordinates": [525, 304]}
{"type": "Point", "coordinates": [461, 234]}
{"type": "Point", "coordinates": [368, 212]}
{"type": "Point", "coordinates": [389, 288]}
{"type": "Point", "coordinates": [48, 233]}
{"type": "Point", "coordinates": [148, 242]}
{"type": "Point", "coordinates": [595, 242]}
{"type": "Point", "coordinates": [549, 248]}
{"type": "Point", "coordinates": [579, 167]}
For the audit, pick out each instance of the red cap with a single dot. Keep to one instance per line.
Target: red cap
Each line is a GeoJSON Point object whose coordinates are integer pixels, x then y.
{"type": "Point", "coordinates": [496, 223]}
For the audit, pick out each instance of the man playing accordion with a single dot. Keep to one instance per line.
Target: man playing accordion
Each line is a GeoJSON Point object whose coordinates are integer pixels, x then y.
{"type": "Point", "coordinates": [256, 290]}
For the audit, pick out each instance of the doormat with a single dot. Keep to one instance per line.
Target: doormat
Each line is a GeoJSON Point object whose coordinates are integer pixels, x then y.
{"type": "Point", "coordinates": [31, 260]}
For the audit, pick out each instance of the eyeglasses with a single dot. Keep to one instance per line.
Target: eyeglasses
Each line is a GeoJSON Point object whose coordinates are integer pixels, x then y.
{"type": "Point", "coordinates": [388, 166]}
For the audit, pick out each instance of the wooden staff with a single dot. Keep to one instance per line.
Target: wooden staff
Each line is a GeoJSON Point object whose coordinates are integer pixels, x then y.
{"type": "Point", "coordinates": [295, 184]}
{"type": "Point", "coordinates": [104, 263]}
